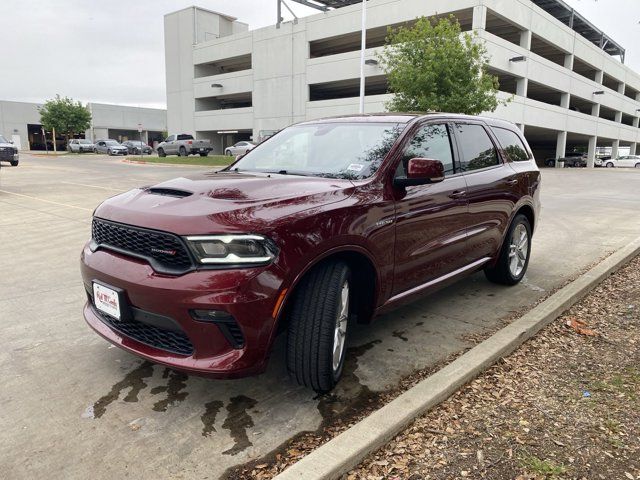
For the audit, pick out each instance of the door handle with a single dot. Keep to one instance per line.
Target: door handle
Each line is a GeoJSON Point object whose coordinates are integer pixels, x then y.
{"type": "Point", "coordinates": [457, 194]}
{"type": "Point", "coordinates": [512, 182]}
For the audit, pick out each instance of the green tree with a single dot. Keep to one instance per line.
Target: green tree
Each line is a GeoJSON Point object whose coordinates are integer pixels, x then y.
{"type": "Point", "coordinates": [432, 66]}
{"type": "Point", "coordinates": [65, 115]}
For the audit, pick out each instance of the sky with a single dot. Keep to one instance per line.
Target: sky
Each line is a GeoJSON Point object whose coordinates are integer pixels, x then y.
{"type": "Point", "coordinates": [112, 51]}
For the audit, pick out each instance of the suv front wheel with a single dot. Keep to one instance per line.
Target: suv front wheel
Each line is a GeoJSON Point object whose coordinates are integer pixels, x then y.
{"type": "Point", "coordinates": [318, 321]}
{"type": "Point", "coordinates": [514, 255]}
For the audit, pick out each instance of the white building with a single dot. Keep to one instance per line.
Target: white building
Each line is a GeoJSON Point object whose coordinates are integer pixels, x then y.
{"type": "Point", "coordinates": [20, 122]}
{"type": "Point", "coordinates": [569, 84]}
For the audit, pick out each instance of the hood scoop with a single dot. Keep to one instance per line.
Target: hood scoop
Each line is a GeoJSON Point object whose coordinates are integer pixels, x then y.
{"type": "Point", "coordinates": [169, 192]}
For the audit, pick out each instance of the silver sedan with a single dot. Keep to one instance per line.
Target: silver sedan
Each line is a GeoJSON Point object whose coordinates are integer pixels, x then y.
{"type": "Point", "coordinates": [239, 148]}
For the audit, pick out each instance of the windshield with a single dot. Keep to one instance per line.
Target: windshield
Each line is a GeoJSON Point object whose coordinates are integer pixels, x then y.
{"type": "Point", "coordinates": [111, 142]}
{"type": "Point", "coordinates": [337, 150]}
{"type": "Point", "coordinates": [3, 140]}
{"type": "Point", "coordinates": [85, 142]}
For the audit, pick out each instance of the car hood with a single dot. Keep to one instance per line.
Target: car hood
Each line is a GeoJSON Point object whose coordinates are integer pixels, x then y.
{"type": "Point", "coordinates": [4, 145]}
{"type": "Point", "coordinates": [224, 202]}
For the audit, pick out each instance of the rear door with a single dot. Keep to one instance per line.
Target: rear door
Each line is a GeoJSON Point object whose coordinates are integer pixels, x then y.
{"type": "Point", "coordinates": [493, 188]}
{"type": "Point", "coordinates": [430, 219]}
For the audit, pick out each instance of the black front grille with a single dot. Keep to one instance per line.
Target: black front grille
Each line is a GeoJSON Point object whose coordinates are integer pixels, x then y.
{"type": "Point", "coordinates": [167, 340]}
{"type": "Point", "coordinates": [6, 153]}
{"type": "Point", "coordinates": [166, 252]}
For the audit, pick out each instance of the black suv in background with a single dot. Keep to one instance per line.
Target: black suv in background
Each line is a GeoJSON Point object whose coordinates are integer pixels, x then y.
{"type": "Point", "coordinates": [137, 147]}
{"type": "Point", "coordinates": [8, 152]}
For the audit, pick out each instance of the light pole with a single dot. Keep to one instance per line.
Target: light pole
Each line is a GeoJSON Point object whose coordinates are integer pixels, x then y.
{"type": "Point", "coordinates": [363, 48]}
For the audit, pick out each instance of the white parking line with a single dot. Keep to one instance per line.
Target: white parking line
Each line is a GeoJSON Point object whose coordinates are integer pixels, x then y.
{"type": "Point", "coordinates": [94, 186]}
{"type": "Point", "coordinates": [47, 201]}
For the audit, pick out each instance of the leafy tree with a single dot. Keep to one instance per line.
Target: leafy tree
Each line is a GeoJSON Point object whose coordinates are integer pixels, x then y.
{"type": "Point", "coordinates": [432, 66]}
{"type": "Point", "coordinates": [65, 115]}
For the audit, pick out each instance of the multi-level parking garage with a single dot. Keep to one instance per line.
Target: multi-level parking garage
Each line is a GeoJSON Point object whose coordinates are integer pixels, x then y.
{"type": "Point", "coordinates": [568, 85]}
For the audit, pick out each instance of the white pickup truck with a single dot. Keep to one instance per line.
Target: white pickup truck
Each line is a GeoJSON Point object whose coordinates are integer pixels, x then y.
{"type": "Point", "coordinates": [184, 145]}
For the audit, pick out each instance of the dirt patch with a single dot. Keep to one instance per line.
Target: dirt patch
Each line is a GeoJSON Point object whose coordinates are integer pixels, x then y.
{"type": "Point", "coordinates": [563, 406]}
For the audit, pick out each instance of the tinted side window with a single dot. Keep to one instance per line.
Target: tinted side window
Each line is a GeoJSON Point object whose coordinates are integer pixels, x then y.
{"type": "Point", "coordinates": [512, 144]}
{"type": "Point", "coordinates": [476, 148]}
{"type": "Point", "coordinates": [431, 141]}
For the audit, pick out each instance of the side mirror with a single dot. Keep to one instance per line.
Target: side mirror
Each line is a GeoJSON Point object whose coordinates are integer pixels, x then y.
{"type": "Point", "coordinates": [421, 171]}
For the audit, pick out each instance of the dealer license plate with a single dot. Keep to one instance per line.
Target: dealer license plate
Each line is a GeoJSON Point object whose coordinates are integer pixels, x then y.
{"type": "Point", "coordinates": [106, 300]}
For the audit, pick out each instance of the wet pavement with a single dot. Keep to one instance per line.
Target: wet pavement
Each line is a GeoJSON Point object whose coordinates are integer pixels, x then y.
{"type": "Point", "coordinates": [72, 406]}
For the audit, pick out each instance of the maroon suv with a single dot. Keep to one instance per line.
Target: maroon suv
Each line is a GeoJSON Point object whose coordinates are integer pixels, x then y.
{"type": "Point", "coordinates": [327, 222]}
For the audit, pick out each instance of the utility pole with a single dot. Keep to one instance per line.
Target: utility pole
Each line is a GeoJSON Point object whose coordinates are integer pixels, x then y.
{"type": "Point", "coordinates": [362, 52]}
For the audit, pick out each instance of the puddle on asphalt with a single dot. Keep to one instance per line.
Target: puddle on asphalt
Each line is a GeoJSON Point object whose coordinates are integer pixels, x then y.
{"type": "Point", "coordinates": [174, 389]}
{"type": "Point", "coordinates": [237, 422]}
{"type": "Point", "coordinates": [400, 334]}
{"type": "Point", "coordinates": [209, 417]}
{"type": "Point", "coordinates": [134, 381]}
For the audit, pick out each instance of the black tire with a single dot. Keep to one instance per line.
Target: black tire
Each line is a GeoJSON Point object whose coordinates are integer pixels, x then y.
{"type": "Point", "coordinates": [228, 153]}
{"type": "Point", "coordinates": [206, 154]}
{"type": "Point", "coordinates": [161, 153]}
{"type": "Point", "coordinates": [637, 165]}
{"type": "Point", "coordinates": [609, 165]}
{"type": "Point", "coordinates": [14, 163]}
{"type": "Point", "coordinates": [312, 325]}
{"type": "Point", "coordinates": [182, 152]}
{"type": "Point", "coordinates": [501, 272]}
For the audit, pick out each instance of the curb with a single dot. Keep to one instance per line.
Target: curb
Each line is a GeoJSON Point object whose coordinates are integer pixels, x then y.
{"type": "Point", "coordinates": [342, 453]}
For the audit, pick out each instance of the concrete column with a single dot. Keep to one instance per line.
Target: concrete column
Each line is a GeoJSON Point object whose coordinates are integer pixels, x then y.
{"type": "Point", "coordinates": [522, 85]}
{"type": "Point", "coordinates": [622, 87]}
{"type": "Point", "coordinates": [561, 146]}
{"type": "Point", "coordinates": [638, 97]}
{"type": "Point", "coordinates": [599, 77]}
{"type": "Point", "coordinates": [479, 17]}
{"type": "Point", "coordinates": [525, 39]}
{"type": "Point", "coordinates": [565, 100]}
{"type": "Point", "coordinates": [632, 148]}
{"type": "Point", "coordinates": [568, 61]}
{"type": "Point", "coordinates": [591, 159]}
{"type": "Point", "coordinates": [618, 118]}
{"type": "Point", "coordinates": [615, 146]}
{"type": "Point", "coordinates": [595, 110]}
{"type": "Point", "coordinates": [636, 122]}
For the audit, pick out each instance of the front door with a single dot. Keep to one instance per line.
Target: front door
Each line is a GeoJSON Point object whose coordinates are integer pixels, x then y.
{"type": "Point", "coordinates": [430, 219]}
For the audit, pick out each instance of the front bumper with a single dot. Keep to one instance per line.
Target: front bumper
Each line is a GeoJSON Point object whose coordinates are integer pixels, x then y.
{"type": "Point", "coordinates": [9, 157]}
{"type": "Point", "coordinates": [248, 295]}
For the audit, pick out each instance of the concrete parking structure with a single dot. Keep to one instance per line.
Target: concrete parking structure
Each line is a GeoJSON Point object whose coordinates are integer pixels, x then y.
{"type": "Point", "coordinates": [567, 80]}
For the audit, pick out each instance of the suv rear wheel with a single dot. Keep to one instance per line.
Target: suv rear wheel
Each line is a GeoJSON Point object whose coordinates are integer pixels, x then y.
{"type": "Point", "coordinates": [317, 335]}
{"type": "Point", "coordinates": [182, 152]}
{"type": "Point", "coordinates": [514, 255]}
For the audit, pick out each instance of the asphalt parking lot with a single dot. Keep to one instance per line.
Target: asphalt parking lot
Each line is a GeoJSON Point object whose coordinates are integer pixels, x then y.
{"type": "Point", "coordinates": [75, 407]}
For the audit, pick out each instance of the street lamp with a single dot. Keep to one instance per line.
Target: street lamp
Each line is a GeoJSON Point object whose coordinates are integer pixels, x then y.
{"type": "Point", "coordinates": [363, 48]}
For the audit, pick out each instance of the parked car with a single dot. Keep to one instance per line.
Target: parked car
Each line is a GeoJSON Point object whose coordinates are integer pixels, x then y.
{"type": "Point", "coordinates": [632, 161]}
{"type": "Point", "coordinates": [137, 147]}
{"type": "Point", "coordinates": [8, 152]}
{"type": "Point", "coordinates": [110, 147]}
{"type": "Point", "coordinates": [239, 148]}
{"type": "Point", "coordinates": [327, 222]}
{"type": "Point", "coordinates": [80, 145]}
{"type": "Point", "coordinates": [600, 161]}
{"type": "Point", "coordinates": [571, 160]}
{"type": "Point", "coordinates": [184, 145]}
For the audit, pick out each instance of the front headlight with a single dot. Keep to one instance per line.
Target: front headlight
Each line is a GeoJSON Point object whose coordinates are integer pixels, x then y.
{"type": "Point", "coordinates": [232, 249]}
